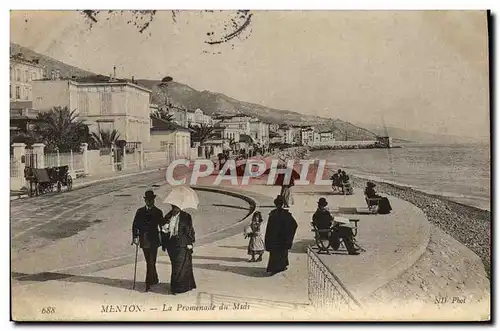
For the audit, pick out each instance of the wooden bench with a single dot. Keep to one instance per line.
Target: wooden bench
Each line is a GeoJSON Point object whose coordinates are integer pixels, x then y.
{"type": "Point", "coordinates": [372, 204]}
{"type": "Point", "coordinates": [323, 244]}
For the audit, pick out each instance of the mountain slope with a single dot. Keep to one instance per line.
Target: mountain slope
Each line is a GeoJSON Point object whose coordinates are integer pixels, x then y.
{"type": "Point", "coordinates": [65, 70]}
{"type": "Point", "coordinates": [212, 103]}
{"type": "Point", "coordinates": [419, 136]}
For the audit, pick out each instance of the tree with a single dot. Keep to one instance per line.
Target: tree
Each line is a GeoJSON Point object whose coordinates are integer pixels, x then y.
{"type": "Point", "coordinates": [200, 133]}
{"type": "Point", "coordinates": [105, 138]}
{"type": "Point", "coordinates": [162, 114]}
{"type": "Point", "coordinates": [60, 128]}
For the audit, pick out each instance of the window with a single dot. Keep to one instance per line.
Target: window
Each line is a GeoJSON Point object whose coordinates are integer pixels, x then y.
{"type": "Point", "coordinates": [33, 75]}
{"type": "Point", "coordinates": [10, 91]}
{"type": "Point", "coordinates": [18, 92]}
{"type": "Point", "coordinates": [27, 75]}
{"type": "Point", "coordinates": [26, 94]}
{"type": "Point", "coordinates": [83, 103]}
{"type": "Point", "coordinates": [18, 75]}
{"type": "Point", "coordinates": [105, 102]}
{"type": "Point", "coordinates": [10, 71]}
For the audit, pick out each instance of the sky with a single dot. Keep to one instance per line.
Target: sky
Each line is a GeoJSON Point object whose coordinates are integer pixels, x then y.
{"type": "Point", "coordinates": [416, 70]}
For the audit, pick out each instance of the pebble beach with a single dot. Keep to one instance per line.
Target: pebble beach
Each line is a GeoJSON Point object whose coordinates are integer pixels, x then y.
{"type": "Point", "coordinates": [469, 225]}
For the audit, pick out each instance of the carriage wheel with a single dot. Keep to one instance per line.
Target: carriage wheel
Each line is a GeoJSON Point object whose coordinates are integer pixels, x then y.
{"type": "Point", "coordinates": [59, 186]}
{"type": "Point", "coordinates": [69, 182]}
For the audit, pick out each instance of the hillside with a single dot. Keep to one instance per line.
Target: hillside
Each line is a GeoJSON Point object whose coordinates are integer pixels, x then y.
{"type": "Point", "coordinates": [211, 103]}
{"type": "Point", "coordinates": [51, 64]}
{"type": "Point", "coordinates": [419, 136]}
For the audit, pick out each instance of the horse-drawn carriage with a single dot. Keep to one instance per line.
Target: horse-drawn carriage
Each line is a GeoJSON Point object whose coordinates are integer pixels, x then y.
{"type": "Point", "coordinates": [41, 181]}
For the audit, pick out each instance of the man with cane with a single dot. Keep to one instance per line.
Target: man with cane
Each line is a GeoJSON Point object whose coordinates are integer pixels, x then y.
{"type": "Point", "coordinates": [145, 233]}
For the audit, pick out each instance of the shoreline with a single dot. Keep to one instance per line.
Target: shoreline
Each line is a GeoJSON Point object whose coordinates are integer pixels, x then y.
{"type": "Point", "coordinates": [467, 224]}
{"type": "Point", "coordinates": [469, 201]}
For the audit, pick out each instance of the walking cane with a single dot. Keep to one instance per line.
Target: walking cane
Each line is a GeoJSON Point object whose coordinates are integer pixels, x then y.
{"type": "Point", "coordinates": [135, 264]}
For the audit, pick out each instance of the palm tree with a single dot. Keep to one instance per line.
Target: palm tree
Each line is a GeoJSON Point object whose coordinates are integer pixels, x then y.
{"type": "Point", "coordinates": [60, 128]}
{"type": "Point", "coordinates": [162, 114]}
{"type": "Point", "coordinates": [200, 133]}
{"type": "Point", "coordinates": [105, 138]}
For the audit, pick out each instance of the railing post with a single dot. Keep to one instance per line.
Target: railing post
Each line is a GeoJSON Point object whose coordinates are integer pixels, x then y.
{"type": "Point", "coordinates": [39, 150]}
{"type": "Point", "coordinates": [85, 147]}
{"type": "Point", "coordinates": [19, 150]}
{"type": "Point", "coordinates": [112, 156]}
{"type": "Point", "coordinates": [71, 165]}
{"type": "Point", "coordinates": [141, 156]}
{"type": "Point", "coordinates": [124, 156]}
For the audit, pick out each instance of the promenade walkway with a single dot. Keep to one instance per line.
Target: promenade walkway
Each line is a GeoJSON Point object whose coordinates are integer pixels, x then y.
{"type": "Point", "coordinates": [225, 279]}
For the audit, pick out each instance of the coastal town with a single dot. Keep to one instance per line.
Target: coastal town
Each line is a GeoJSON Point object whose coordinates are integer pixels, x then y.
{"type": "Point", "coordinates": [111, 109]}
{"type": "Point", "coordinates": [135, 198]}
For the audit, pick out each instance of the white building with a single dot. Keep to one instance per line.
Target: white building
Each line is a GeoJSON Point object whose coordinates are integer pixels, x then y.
{"type": "Point", "coordinates": [326, 136]}
{"type": "Point", "coordinates": [103, 104]}
{"type": "Point", "coordinates": [310, 136]}
{"type": "Point", "coordinates": [240, 123]}
{"type": "Point", "coordinates": [198, 118]}
{"type": "Point", "coordinates": [259, 131]}
{"type": "Point", "coordinates": [170, 137]}
{"type": "Point", "coordinates": [22, 73]}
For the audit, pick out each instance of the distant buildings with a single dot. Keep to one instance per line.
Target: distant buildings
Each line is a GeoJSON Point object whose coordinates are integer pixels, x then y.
{"type": "Point", "coordinates": [103, 104]}
{"type": "Point", "coordinates": [326, 136]}
{"type": "Point", "coordinates": [170, 137]}
{"type": "Point", "coordinates": [259, 131]}
{"type": "Point", "coordinates": [198, 118]}
{"type": "Point", "coordinates": [309, 136]}
{"type": "Point", "coordinates": [22, 73]}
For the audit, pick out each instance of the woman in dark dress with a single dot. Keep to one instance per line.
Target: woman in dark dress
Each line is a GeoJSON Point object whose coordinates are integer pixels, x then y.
{"type": "Point", "coordinates": [384, 206]}
{"type": "Point", "coordinates": [178, 237]}
{"type": "Point", "coordinates": [280, 231]}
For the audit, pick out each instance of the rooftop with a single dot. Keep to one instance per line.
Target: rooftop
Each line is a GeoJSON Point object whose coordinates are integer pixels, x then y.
{"type": "Point", "coordinates": [20, 57]}
{"type": "Point", "coordinates": [100, 79]}
{"type": "Point", "coordinates": [162, 125]}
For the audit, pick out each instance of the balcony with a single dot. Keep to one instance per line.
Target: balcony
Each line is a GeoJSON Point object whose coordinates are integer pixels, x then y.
{"type": "Point", "coordinates": [24, 113]}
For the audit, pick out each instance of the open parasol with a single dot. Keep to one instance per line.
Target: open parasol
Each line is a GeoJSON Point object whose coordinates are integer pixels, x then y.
{"type": "Point", "coordinates": [183, 197]}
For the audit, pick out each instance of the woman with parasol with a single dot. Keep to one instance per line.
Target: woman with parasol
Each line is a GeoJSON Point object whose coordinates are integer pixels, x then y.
{"type": "Point", "coordinates": [178, 237]}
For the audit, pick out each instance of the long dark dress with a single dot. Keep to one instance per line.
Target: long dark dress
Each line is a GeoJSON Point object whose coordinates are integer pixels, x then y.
{"type": "Point", "coordinates": [181, 257]}
{"type": "Point", "coordinates": [280, 231]}
{"type": "Point", "coordinates": [384, 206]}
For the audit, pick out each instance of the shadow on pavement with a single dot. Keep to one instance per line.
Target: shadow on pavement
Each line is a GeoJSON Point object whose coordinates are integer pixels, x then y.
{"type": "Point", "coordinates": [236, 247]}
{"type": "Point", "coordinates": [230, 206]}
{"type": "Point", "coordinates": [255, 271]}
{"type": "Point", "coordinates": [301, 246]}
{"type": "Point", "coordinates": [220, 258]}
{"type": "Point", "coordinates": [127, 284]}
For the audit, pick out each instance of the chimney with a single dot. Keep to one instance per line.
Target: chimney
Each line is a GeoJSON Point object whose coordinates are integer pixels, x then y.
{"type": "Point", "coordinates": [114, 72]}
{"type": "Point", "coordinates": [133, 80]}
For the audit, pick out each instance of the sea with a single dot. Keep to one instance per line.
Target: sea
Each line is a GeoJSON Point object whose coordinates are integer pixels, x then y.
{"type": "Point", "coordinates": [458, 172]}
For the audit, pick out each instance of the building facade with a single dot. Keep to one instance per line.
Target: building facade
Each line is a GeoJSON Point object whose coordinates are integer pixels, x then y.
{"type": "Point", "coordinates": [22, 73]}
{"type": "Point", "coordinates": [103, 105]}
{"type": "Point", "coordinates": [326, 136]}
{"type": "Point", "coordinates": [259, 131]}
{"type": "Point", "coordinates": [310, 136]}
{"type": "Point", "coordinates": [240, 123]}
{"type": "Point", "coordinates": [198, 118]}
{"type": "Point", "coordinates": [170, 137]}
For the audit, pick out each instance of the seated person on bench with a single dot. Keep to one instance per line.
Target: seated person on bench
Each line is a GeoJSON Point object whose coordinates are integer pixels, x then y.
{"type": "Point", "coordinates": [384, 206]}
{"type": "Point", "coordinates": [322, 219]}
{"type": "Point", "coordinates": [346, 183]}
